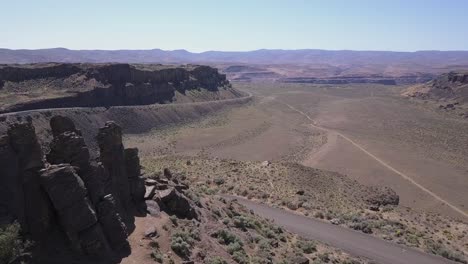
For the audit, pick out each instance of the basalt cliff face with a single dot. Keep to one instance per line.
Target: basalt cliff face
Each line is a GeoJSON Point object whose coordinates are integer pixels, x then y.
{"type": "Point", "coordinates": [53, 85]}
{"type": "Point", "coordinates": [74, 208]}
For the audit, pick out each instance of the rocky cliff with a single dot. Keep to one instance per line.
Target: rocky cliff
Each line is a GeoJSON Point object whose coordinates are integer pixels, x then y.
{"type": "Point", "coordinates": [449, 86]}
{"type": "Point", "coordinates": [73, 207]}
{"type": "Point", "coordinates": [40, 86]}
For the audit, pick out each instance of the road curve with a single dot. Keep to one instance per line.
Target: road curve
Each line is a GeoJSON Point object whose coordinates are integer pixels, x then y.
{"type": "Point", "coordinates": [353, 242]}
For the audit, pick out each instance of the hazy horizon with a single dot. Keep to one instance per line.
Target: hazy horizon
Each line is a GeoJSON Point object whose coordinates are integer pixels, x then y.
{"type": "Point", "coordinates": [209, 25]}
{"type": "Point", "coordinates": [254, 50]}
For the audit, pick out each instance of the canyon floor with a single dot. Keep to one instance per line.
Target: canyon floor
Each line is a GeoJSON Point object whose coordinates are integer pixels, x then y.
{"type": "Point", "coordinates": [367, 132]}
{"type": "Point", "coordinates": [389, 135]}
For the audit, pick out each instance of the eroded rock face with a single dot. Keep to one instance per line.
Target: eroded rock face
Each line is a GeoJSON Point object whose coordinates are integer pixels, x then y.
{"type": "Point", "coordinates": [60, 124]}
{"type": "Point", "coordinates": [10, 198]}
{"type": "Point", "coordinates": [133, 169]}
{"type": "Point", "coordinates": [93, 85]}
{"type": "Point", "coordinates": [35, 206]}
{"type": "Point", "coordinates": [70, 194]}
{"type": "Point", "coordinates": [69, 147]}
{"type": "Point", "coordinates": [113, 158]}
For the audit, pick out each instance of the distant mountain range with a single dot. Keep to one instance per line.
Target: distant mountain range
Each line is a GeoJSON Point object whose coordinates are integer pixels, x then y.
{"type": "Point", "coordinates": [308, 65]}
{"type": "Point", "coordinates": [264, 56]}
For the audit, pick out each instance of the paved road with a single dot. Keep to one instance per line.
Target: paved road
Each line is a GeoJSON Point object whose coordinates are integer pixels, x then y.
{"type": "Point", "coordinates": [353, 242]}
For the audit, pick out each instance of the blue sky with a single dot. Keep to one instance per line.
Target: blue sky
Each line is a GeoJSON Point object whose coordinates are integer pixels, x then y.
{"type": "Point", "coordinates": [201, 25]}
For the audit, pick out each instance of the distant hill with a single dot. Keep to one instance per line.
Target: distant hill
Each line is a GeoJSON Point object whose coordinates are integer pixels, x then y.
{"type": "Point", "coordinates": [452, 86]}
{"type": "Point", "coordinates": [264, 56]}
{"type": "Point", "coordinates": [271, 65]}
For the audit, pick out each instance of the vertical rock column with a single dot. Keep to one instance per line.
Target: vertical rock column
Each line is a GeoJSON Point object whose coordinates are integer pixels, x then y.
{"type": "Point", "coordinates": [137, 184]}
{"type": "Point", "coordinates": [37, 208]}
{"type": "Point", "coordinates": [113, 158]}
{"type": "Point", "coordinates": [68, 146]}
{"type": "Point", "coordinates": [11, 194]}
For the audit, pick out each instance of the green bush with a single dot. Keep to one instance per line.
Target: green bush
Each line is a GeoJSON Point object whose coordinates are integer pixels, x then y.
{"type": "Point", "coordinates": [307, 247]}
{"type": "Point", "coordinates": [243, 222]}
{"type": "Point", "coordinates": [181, 244]}
{"type": "Point", "coordinates": [157, 256]}
{"type": "Point", "coordinates": [226, 237]}
{"type": "Point", "coordinates": [10, 242]}
{"type": "Point", "coordinates": [240, 257]}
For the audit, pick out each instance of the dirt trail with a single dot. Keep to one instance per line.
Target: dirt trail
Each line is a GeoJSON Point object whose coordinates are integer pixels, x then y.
{"type": "Point", "coordinates": [332, 135]}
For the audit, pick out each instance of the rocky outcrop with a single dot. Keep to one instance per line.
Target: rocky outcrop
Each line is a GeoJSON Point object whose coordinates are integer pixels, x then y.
{"type": "Point", "coordinates": [91, 202]}
{"type": "Point", "coordinates": [93, 85]}
{"type": "Point", "coordinates": [34, 211]}
{"type": "Point", "coordinates": [446, 87]}
{"type": "Point", "coordinates": [113, 159]}
{"type": "Point", "coordinates": [167, 193]}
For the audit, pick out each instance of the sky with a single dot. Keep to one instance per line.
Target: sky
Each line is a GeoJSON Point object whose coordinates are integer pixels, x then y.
{"type": "Point", "coordinates": [235, 25]}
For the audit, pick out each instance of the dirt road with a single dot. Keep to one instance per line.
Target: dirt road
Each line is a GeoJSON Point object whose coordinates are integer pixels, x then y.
{"type": "Point", "coordinates": [353, 242]}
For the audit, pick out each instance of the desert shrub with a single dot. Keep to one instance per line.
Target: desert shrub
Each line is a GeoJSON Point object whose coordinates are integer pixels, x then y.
{"type": "Point", "coordinates": [226, 237]}
{"type": "Point", "coordinates": [307, 247]}
{"type": "Point", "coordinates": [438, 249]}
{"type": "Point", "coordinates": [10, 242]}
{"type": "Point", "coordinates": [157, 256]}
{"type": "Point", "coordinates": [362, 226]}
{"type": "Point", "coordinates": [234, 247]}
{"type": "Point", "coordinates": [240, 257]}
{"type": "Point", "coordinates": [181, 244]}
{"type": "Point", "coordinates": [219, 181]}
{"type": "Point", "coordinates": [264, 245]}
{"type": "Point", "coordinates": [173, 219]}
{"type": "Point", "coordinates": [242, 222]}
{"type": "Point", "coordinates": [324, 257]}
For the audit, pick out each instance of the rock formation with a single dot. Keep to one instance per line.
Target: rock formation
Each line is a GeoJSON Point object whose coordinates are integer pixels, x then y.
{"type": "Point", "coordinates": [94, 85]}
{"type": "Point", "coordinates": [91, 202]}
{"type": "Point", "coordinates": [446, 87]}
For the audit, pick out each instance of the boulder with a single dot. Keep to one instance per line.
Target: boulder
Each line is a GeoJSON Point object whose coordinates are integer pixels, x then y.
{"type": "Point", "coordinates": [152, 207]}
{"type": "Point", "coordinates": [167, 173]}
{"type": "Point", "coordinates": [60, 124]}
{"type": "Point", "coordinates": [149, 192]}
{"type": "Point", "coordinates": [173, 202]}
